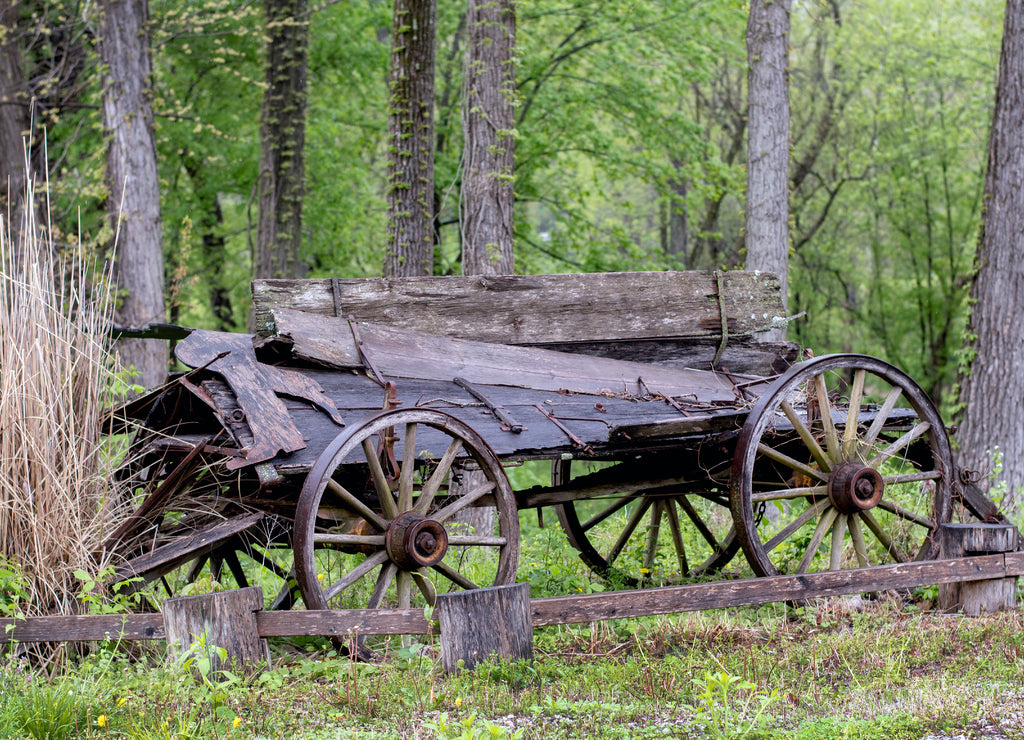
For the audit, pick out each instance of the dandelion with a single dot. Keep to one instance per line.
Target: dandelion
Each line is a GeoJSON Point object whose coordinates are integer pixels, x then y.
{"type": "Point", "coordinates": [236, 722]}
{"type": "Point", "coordinates": [101, 721]}
{"type": "Point", "coordinates": [122, 701]}
{"type": "Point", "coordinates": [458, 701]}
{"type": "Point", "coordinates": [319, 576]}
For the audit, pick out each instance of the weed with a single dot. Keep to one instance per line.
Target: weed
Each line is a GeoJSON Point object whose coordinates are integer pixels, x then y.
{"type": "Point", "coordinates": [729, 706]}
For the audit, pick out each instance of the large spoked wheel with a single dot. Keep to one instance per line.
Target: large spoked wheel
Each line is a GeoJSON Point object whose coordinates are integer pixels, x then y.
{"type": "Point", "coordinates": [832, 470]}
{"type": "Point", "coordinates": [375, 522]}
{"type": "Point", "coordinates": [648, 536]}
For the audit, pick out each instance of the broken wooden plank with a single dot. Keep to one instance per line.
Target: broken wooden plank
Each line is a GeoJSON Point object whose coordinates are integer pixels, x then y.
{"type": "Point", "coordinates": [343, 622]}
{"type": "Point", "coordinates": [256, 387]}
{"type": "Point", "coordinates": [83, 627]}
{"type": "Point", "coordinates": [530, 309]}
{"type": "Point", "coordinates": [167, 557]}
{"type": "Point", "coordinates": [743, 355]}
{"type": "Point", "coordinates": [699, 597]}
{"type": "Point", "coordinates": [399, 353]}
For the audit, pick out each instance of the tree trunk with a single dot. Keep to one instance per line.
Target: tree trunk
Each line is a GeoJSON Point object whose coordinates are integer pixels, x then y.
{"type": "Point", "coordinates": [134, 203]}
{"type": "Point", "coordinates": [283, 140]}
{"type": "Point", "coordinates": [992, 392]}
{"type": "Point", "coordinates": [15, 119]}
{"type": "Point", "coordinates": [410, 249]}
{"type": "Point", "coordinates": [767, 236]}
{"type": "Point", "coordinates": [488, 122]}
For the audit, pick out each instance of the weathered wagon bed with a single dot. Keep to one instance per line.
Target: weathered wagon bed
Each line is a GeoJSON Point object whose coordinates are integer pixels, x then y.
{"type": "Point", "coordinates": [363, 449]}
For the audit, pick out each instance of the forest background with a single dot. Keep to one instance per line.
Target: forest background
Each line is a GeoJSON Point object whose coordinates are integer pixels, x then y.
{"type": "Point", "coordinates": [630, 150]}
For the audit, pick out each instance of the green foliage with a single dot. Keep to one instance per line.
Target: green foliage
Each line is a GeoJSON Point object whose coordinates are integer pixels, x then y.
{"type": "Point", "coordinates": [14, 589]}
{"type": "Point", "coordinates": [100, 598]}
{"type": "Point", "coordinates": [729, 706]}
{"type": "Point", "coordinates": [469, 728]}
{"type": "Point", "coordinates": [206, 661]}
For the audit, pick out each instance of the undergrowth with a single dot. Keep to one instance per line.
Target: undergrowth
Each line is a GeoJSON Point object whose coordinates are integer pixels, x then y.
{"type": "Point", "coordinates": [879, 670]}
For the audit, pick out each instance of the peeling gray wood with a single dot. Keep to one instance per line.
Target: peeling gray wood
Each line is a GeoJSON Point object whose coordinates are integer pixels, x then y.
{"type": "Point", "coordinates": [531, 309]}
{"type": "Point", "coordinates": [399, 353]}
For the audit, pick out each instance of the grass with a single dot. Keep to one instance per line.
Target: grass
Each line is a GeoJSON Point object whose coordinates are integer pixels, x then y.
{"type": "Point", "coordinates": [826, 670]}
{"type": "Point", "coordinates": [55, 372]}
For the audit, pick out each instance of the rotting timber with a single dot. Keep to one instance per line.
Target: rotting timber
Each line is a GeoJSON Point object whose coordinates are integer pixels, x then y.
{"type": "Point", "coordinates": [340, 447]}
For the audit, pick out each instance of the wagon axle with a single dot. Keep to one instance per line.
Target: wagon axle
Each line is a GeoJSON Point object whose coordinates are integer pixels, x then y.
{"type": "Point", "coordinates": [854, 487]}
{"type": "Point", "coordinates": [413, 541]}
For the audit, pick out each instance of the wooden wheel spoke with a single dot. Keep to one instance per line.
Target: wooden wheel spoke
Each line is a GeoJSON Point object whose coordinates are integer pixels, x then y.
{"type": "Point", "coordinates": [805, 435]}
{"type": "Point", "coordinates": [835, 553]}
{"type": "Point", "coordinates": [356, 505]}
{"type": "Point", "coordinates": [608, 511]}
{"type": "Point", "coordinates": [882, 416]}
{"type": "Point", "coordinates": [422, 581]}
{"type": "Point", "coordinates": [782, 494]}
{"type": "Point", "coordinates": [373, 540]}
{"type": "Point", "coordinates": [408, 468]}
{"type": "Point", "coordinates": [881, 536]}
{"type": "Point", "coordinates": [473, 540]}
{"type": "Point", "coordinates": [809, 513]}
{"type": "Point", "coordinates": [699, 523]}
{"type": "Point", "coordinates": [653, 532]}
{"type": "Point", "coordinates": [433, 484]}
{"type": "Point", "coordinates": [853, 413]}
{"type": "Point", "coordinates": [380, 481]}
{"type": "Point", "coordinates": [631, 524]}
{"type": "Point", "coordinates": [899, 444]}
{"type": "Point", "coordinates": [789, 462]}
{"type": "Point", "coordinates": [891, 480]}
{"type": "Point", "coordinates": [355, 574]}
{"type": "Point", "coordinates": [463, 501]}
{"type": "Point", "coordinates": [403, 585]}
{"type": "Point", "coordinates": [824, 524]}
{"type": "Point", "coordinates": [677, 538]}
{"type": "Point", "coordinates": [906, 514]}
{"type": "Point", "coordinates": [825, 409]}
{"type": "Point", "coordinates": [454, 576]}
{"type": "Point", "coordinates": [857, 536]}
{"type": "Point", "coordinates": [380, 588]}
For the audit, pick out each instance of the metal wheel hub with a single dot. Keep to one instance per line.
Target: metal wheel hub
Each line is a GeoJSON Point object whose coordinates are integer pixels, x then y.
{"type": "Point", "coordinates": [854, 487]}
{"type": "Point", "coordinates": [413, 541]}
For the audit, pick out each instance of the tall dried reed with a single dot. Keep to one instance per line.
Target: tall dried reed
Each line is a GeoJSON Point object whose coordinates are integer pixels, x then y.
{"type": "Point", "coordinates": [55, 372]}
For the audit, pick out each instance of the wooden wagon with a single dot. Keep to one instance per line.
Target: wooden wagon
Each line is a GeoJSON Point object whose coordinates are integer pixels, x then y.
{"type": "Point", "coordinates": [343, 448]}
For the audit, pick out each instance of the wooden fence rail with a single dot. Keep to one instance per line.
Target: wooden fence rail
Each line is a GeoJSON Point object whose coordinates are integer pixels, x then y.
{"type": "Point", "coordinates": [548, 611]}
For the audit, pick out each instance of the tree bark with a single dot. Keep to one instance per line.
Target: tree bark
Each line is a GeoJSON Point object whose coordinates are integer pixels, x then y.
{"type": "Point", "coordinates": [992, 391]}
{"type": "Point", "coordinates": [488, 122]}
{"type": "Point", "coordinates": [767, 235]}
{"type": "Point", "coordinates": [134, 203]}
{"type": "Point", "coordinates": [410, 192]}
{"type": "Point", "coordinates": [15, 119]}
{"type": "Point", "coordinates": [283, 140]}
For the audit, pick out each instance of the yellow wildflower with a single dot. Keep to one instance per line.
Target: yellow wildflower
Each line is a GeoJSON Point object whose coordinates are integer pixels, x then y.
{"type": "Point", "coordinates": [101, 721]}
{"type": "Point", "coordinates": [236, 722]}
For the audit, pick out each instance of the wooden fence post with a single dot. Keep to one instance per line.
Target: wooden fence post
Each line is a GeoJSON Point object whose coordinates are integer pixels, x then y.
{"type": "Point", "coordinates": [485, 622]}
{"type": "Point", "coordinates": [223, 619]}
{"type": "Point", "coordinates": [977, 597]}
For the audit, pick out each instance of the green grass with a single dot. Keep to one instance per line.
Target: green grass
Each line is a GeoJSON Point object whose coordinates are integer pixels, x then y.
{"type": "Point", "coordinates": [821, 671]}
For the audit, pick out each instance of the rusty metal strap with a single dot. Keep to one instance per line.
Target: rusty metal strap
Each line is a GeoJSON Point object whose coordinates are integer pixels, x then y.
{"type": "Point", "coordinates": [576, 441]}
{"type": "Point", "coordinates": [336, 295]}
{"type": "Point", "coordinates": [374, 373]}
{"type": "Point", "coordinates": [508, 423]}
{"type": "Point", "coordinates": [720, 288]}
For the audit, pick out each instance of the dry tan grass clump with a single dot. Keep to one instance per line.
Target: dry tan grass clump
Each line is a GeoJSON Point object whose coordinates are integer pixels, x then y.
{"type": "Point", "coordinates": [55, 371]}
